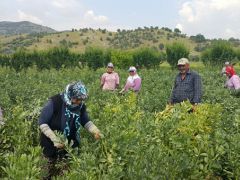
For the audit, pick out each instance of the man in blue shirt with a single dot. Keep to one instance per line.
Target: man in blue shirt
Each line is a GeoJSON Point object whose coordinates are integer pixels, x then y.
{"type": "Point", "coordinates": [187, 85]}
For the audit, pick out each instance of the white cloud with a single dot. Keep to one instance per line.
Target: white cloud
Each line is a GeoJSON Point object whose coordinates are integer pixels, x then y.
{"type": "Point", "coordinates": [91, 19]}
{"type": "Point", "coordinates": [187, 12]}
{"type": "Point", "coordinates": [213, 18]}
{"type": "Point", "coordinates": [180, 27]}
{"type": "Point", "coordinates": [22, 16]}
{"type": "Point", "coordinates": [95, 19]}
{"type": "Point", "coordinates": [223, 4]}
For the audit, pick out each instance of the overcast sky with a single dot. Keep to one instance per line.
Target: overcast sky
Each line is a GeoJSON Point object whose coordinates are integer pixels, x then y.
{"type": "Point", "coordinates": [213, 18]}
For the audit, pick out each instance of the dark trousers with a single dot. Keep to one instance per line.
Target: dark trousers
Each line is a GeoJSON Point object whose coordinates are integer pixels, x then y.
{"type": "Point", "coordinates": [57, 164]}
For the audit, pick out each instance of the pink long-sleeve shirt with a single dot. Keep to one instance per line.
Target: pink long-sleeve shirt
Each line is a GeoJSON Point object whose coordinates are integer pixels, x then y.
{"type": "Point", "coordinates": [110, 81]}
{"type": "Point", "coordinates": [233, 82]}
{"type": "Point", "coordinates": [133, 83]}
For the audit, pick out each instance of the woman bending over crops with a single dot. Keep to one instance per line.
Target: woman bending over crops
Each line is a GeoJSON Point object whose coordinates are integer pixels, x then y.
{"type": "Point", "coordinates": [133, 81]}
{"type": "Point", "coordinates": [64, 113]}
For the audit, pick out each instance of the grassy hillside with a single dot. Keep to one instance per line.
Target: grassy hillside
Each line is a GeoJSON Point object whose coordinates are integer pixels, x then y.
{"type": "Point", "coordinates": [77, 41]}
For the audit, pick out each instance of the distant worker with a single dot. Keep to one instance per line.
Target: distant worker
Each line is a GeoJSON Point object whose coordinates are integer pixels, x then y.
{"type": "Point", "coordinates": [187, 85]}
{"type": "Point", "coordinates": [233, 81]}
{"type": "Point", "coordinates": [133, 82]}
{"type": "Point", "coordinates": [110, 79]}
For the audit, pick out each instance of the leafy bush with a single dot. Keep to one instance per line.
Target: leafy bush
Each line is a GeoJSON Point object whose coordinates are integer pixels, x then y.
{"type": "Point", "coordinates": [122, 59]}
{"type": "Point", "coordinates": [146, 57]}
{"type": "Point", "coordinates": [94, 57]}
{"type": "Point", "coordinates": [238, 54]}
{"type": "Point", "coordinates": [176, 51]}
{"type": "Point", "coordinates": [219, 52]}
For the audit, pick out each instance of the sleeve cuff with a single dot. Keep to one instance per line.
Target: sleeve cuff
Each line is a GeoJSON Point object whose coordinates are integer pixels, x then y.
{"type": "Point", "coordinates": [91, 127]}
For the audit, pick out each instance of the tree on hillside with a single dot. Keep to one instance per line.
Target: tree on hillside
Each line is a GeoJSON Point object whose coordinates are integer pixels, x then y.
{"type": "Point", "coordinates": [199, 38]}
{"type": "Point", "coordinates": [177, 31]}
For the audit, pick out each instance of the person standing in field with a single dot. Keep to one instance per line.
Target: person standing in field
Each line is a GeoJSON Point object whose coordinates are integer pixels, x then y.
{"type": "Point", "coordinates": [110, 79]}
{"type": "Point", "coordinates": [233, 81]}
{"type": "Point", "coordinates": [133, 81]}
{"type": "Point", "coordinates": [64, 113]}
{"type": "Point", "coordinates": [187, 85]}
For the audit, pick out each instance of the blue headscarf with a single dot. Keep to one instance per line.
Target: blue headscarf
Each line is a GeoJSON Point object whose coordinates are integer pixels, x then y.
{"type": "Point", "coordinates": [76, 90]}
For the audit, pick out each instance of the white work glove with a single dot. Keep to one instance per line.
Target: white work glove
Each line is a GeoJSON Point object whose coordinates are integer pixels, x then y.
{"type": "Point", "coordinates": [45, 129]}
{"type": "Point", "coordinates": [93, 130]}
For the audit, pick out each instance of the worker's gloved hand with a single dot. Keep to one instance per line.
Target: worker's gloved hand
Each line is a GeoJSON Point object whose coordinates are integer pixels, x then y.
{"type": "Point", "coordinates": [194, 107]}
{"type": "Point", "coordinates": [51, 135]}
{"type": "Point", "coordinates": [93, 130]}
{"type": "Point", "coordinates": [98, 135]}
{"type": "Point", "coordinates": [57, 143]}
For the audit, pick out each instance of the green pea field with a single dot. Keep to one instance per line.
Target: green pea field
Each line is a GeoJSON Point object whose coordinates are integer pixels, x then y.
{"type": "Point", "coordinates": [142, 138]}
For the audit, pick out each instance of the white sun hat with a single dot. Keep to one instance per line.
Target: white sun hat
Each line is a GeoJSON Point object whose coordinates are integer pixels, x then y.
{"type": "Point", "coordinates": [110, 65]}
{"type": "Point", "coordinates": [132, 68]}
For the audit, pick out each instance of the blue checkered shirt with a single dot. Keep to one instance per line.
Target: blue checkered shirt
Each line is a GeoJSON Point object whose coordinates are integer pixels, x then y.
{"type": "Point", "coordinates": [189, 88]}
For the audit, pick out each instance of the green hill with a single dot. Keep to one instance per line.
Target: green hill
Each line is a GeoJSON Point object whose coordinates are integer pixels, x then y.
{"type": "Point", "coordinates": [23, 27]}
{"type": "Point", "coordinates": [78, 40]}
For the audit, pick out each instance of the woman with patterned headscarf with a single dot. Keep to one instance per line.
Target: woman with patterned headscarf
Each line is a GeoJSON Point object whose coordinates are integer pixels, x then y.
{"type": "Point", "coordinates": [65, 113]}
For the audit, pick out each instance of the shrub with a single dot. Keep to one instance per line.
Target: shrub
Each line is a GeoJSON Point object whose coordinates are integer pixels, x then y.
{"type": "Point", "coordinates": [219, 52]}
{"type": "Point", "coordinates": [176, 51]}
{"type": "Point", "coordinates": [94, 57]}
{"type": "Point", "coordinates": [146, 57]}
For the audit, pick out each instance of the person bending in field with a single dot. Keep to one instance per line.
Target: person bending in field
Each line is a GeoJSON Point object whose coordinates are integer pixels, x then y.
{"type": "Point", "coordinates": [64, 113]}
{"type": "Point", "coordinates": [233, 81]}
{"type": "Point", "coordinates": [133, 81]}
{"type": "Point", "coordinates": [110, 79]}
{"type": "Point", "coordinates": [187, 85]}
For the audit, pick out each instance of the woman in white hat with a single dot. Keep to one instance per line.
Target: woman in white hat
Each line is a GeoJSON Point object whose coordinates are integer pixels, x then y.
{"type": "Point", "coordinates": [110, 79]}
{"type": "Point", "coordinates": [133, 81]}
